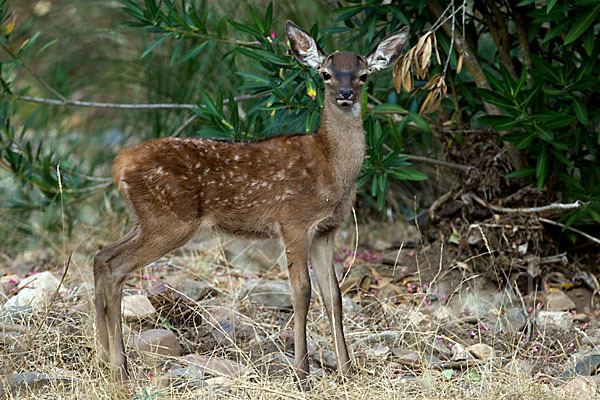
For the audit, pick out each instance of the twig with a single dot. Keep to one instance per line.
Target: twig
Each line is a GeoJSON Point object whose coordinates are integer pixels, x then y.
{"type": "Point", "coordinates": [124, 106]}
{"type": "Point", "coordinates": [569, 228]}
{"type": "Point", "coordinates": [532, 210]}
{"type": "Point", "coordinates": [526, 313]}
{"type": "Point", "coordinates": [431, 160]}
{"type": "Point", "coordinates": [185, 125]}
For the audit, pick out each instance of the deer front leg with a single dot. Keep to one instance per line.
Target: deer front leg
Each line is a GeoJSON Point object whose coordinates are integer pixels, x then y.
{"type": "Point", "coordinates": [296, 244]}
{"type": "Point", "coordinates": [321, 256]}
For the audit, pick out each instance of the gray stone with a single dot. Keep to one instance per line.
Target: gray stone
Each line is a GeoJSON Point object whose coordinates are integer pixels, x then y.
{"type": "Point", "coordinates": [559, 319]}
{"type": "Point", "coordinates": [27, 381]}
{"type": "Point", "coordinates": [519, 367]}
{"type": "Point", "coordinates": [156, 344]}
{"type": "Point", "coordinates": [586, 366]}
{"type": "Point", "coordinates": [513, 321]}
{"type": "Point", "coordinates": [136, 307]}
{"type": "Point", "coordinates": [195, 290]}
{"type": "Point", "coordinates": [13, 314]}
{"type": "Point", "coordinates": [270, 294]}
{"type": "Point", "coordinates": [559, 301]}
{"type": "Point", "coordinates": [191, 375]}
{"type": "Point", "coordinates": [36, 291]}
{"type": "Point", "coordinates": [215, 366]}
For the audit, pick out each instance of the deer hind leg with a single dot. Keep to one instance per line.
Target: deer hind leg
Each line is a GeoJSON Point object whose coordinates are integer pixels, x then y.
{"type": "Point", "coordinates": [113, 265]}
{"type": "Point", "coordinates": [296, 244]}
{"type": "Point", "coordinates": [321, 255]}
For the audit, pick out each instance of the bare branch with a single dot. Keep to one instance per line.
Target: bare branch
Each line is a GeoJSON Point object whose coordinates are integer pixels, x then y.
{"type": "Point", "coordinates": [532, 210]}
{"type": "Point", "coordinates": [185, 125]}
{"type": "Point", "coordinates": [569, 228]}
{"type": "Point", "coordinates": [125, 106]}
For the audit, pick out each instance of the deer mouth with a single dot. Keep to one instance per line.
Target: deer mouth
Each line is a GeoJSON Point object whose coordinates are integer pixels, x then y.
{"type": "Point", "coordinates": [345, 102]}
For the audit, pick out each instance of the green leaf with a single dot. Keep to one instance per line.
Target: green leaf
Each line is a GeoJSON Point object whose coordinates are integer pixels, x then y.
{"type": "Point", "coordinates": [154, 45]}
{"type": "Point", "coordinates": [588, 41]}
{"type": "Point", "coordinates": [494, 98]}
{"type": "Point", "coordinates": [447, 374]}
{"type": "Point", "coordinates": [549, 5]}
{"type": "Point", "coordinates": [580, 111]}
{"type": "Point", "coordinates": [520, 173]}
{"type": "Point", "coordinates": [501, 123]}
{"type": "Point", "coordinates": [193, 52]}
{"type": "Point", "coordinates": [408, 174]}
{"type": "Point", "coordinates": [541, 170]}
{"type": "Point", "coordinates": [257, 20]}
{"type": "Point", "coordinates": [582, 23]}
{"type": "Point", "coordinates": [390, 107]}
{"type": "Point", "coordinates": [544, 134]}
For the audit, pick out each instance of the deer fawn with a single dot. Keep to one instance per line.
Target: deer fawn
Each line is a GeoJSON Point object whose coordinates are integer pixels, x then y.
{"type": "Point", "coordinates": [299, 189]}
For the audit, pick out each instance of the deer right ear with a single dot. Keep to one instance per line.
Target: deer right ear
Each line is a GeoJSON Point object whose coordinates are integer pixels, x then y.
{"type": "Point", "coordinates": [304, 47]}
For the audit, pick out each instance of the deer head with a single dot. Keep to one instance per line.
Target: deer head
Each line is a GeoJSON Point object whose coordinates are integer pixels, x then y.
{"type": "Point", "coordinates": [344, 73]}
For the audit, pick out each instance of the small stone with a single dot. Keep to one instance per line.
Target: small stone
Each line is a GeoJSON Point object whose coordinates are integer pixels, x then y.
{"type": "Point", "coordinates": [36, 291]}
{"type": "Point", "coordinates": [270, 294]}
{"type": "Point", "coordinates": [28, 380]}
{"type": "Point", "coordinates": [156, 344]}
{"type": "Point", "coordinates": [215, 366]}
{"type": "Point", "coordinates": [195, 290]}
{"type": "Point", "coordinates": [559, 301]}
{"type": "Point", "coordinates": [583, 388]}
{"type": "Point", "coordinates": [587, 365]}
{"type": "Point", "coordinates": [560, 319]}
{"type": "Point", "coordinates": [481, 351]}
{"type": "Point", "coordinates": [179, 376]}
{"type": "Point", "coordinates": [459, 353]}
{"type": "Point", "coordinates": [519, 367]}
{"type": "Point", "coordinates": [581, 317]}
{"type": "Point", "coordinates": [136, 307]}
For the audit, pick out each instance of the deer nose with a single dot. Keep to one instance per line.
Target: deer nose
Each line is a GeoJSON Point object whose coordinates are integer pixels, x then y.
{"type": "Point", "coordinates": [346, 94]}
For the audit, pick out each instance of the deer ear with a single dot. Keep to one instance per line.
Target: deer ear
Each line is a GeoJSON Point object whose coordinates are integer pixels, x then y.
{"type": "Point", "coordinates": [387, 51]}
{"type": "Point", "coordinates": [304, 47]}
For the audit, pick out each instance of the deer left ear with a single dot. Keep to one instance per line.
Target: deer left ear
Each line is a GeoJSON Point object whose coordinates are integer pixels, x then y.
{"type": "Point", "coordinates": [304, 47]}
{"type": "Point", "coordinates": [387, 51]}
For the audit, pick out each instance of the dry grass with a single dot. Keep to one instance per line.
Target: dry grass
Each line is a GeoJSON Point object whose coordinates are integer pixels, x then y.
{"type": "Point", "coordinates": [61, 343]}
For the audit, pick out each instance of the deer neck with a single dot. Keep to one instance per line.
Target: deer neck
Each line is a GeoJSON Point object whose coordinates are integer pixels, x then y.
{"type": "Point", "coordinates": [343, 134]}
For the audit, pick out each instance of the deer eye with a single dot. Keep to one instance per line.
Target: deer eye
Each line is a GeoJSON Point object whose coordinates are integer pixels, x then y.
{"type": "Point", "coordinates": [363, 78]}
{"type": "Point", "coordinates": [326, 75]}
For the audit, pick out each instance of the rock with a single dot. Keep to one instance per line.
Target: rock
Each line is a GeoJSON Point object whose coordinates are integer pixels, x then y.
{"type": "Point", "coordinates": [216, 367]}
{"type": "Point", "coordinates": [270, 294]}
{"type": "Point", "coordinates": [512, 322]}
{"type": "Point", "coordinates": [581, 317]}
{"type": "Point", "coordinates": [519, 367]}
{"type": "Point", "coordinates": [459, 353]}
{"type": "Point", "coordinates": [481, 296]}
{"type": "Point", "coordinates": [136, 307]}
{"type": "Point", "coordinates": [9, 338]}
{"type": "Point", "coordinates": [27, 381]}
{"type": "Point", "coordinates": [481, 351]}
{"type": "Point", "coordinates": [12, 314]}
{"type": "Point", "coordinates": [583, 388]}
{"type": "Point", "coordinates": [195, 290]}
{"type": "Point", "coordinates": [559, 319]}
{"type": "Point", "coordinates": [156, 344]}
{"type": "Point", "coordinates": [191, 375]}
{"type": "Point", "coordinates": [388, 337]}
{"type": "Point", "coordinates": [326, 358]}
{"type": "Point", "coordinates": [587, 365]}
{"type": "Point", "coordinates": [559, 301]}
{"type": "Point", "coordinates": [36, 291]}
{"type": "Point", "coordinates": [350, 307]}
{"type": "Point", "coordinates": [255, 256]}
